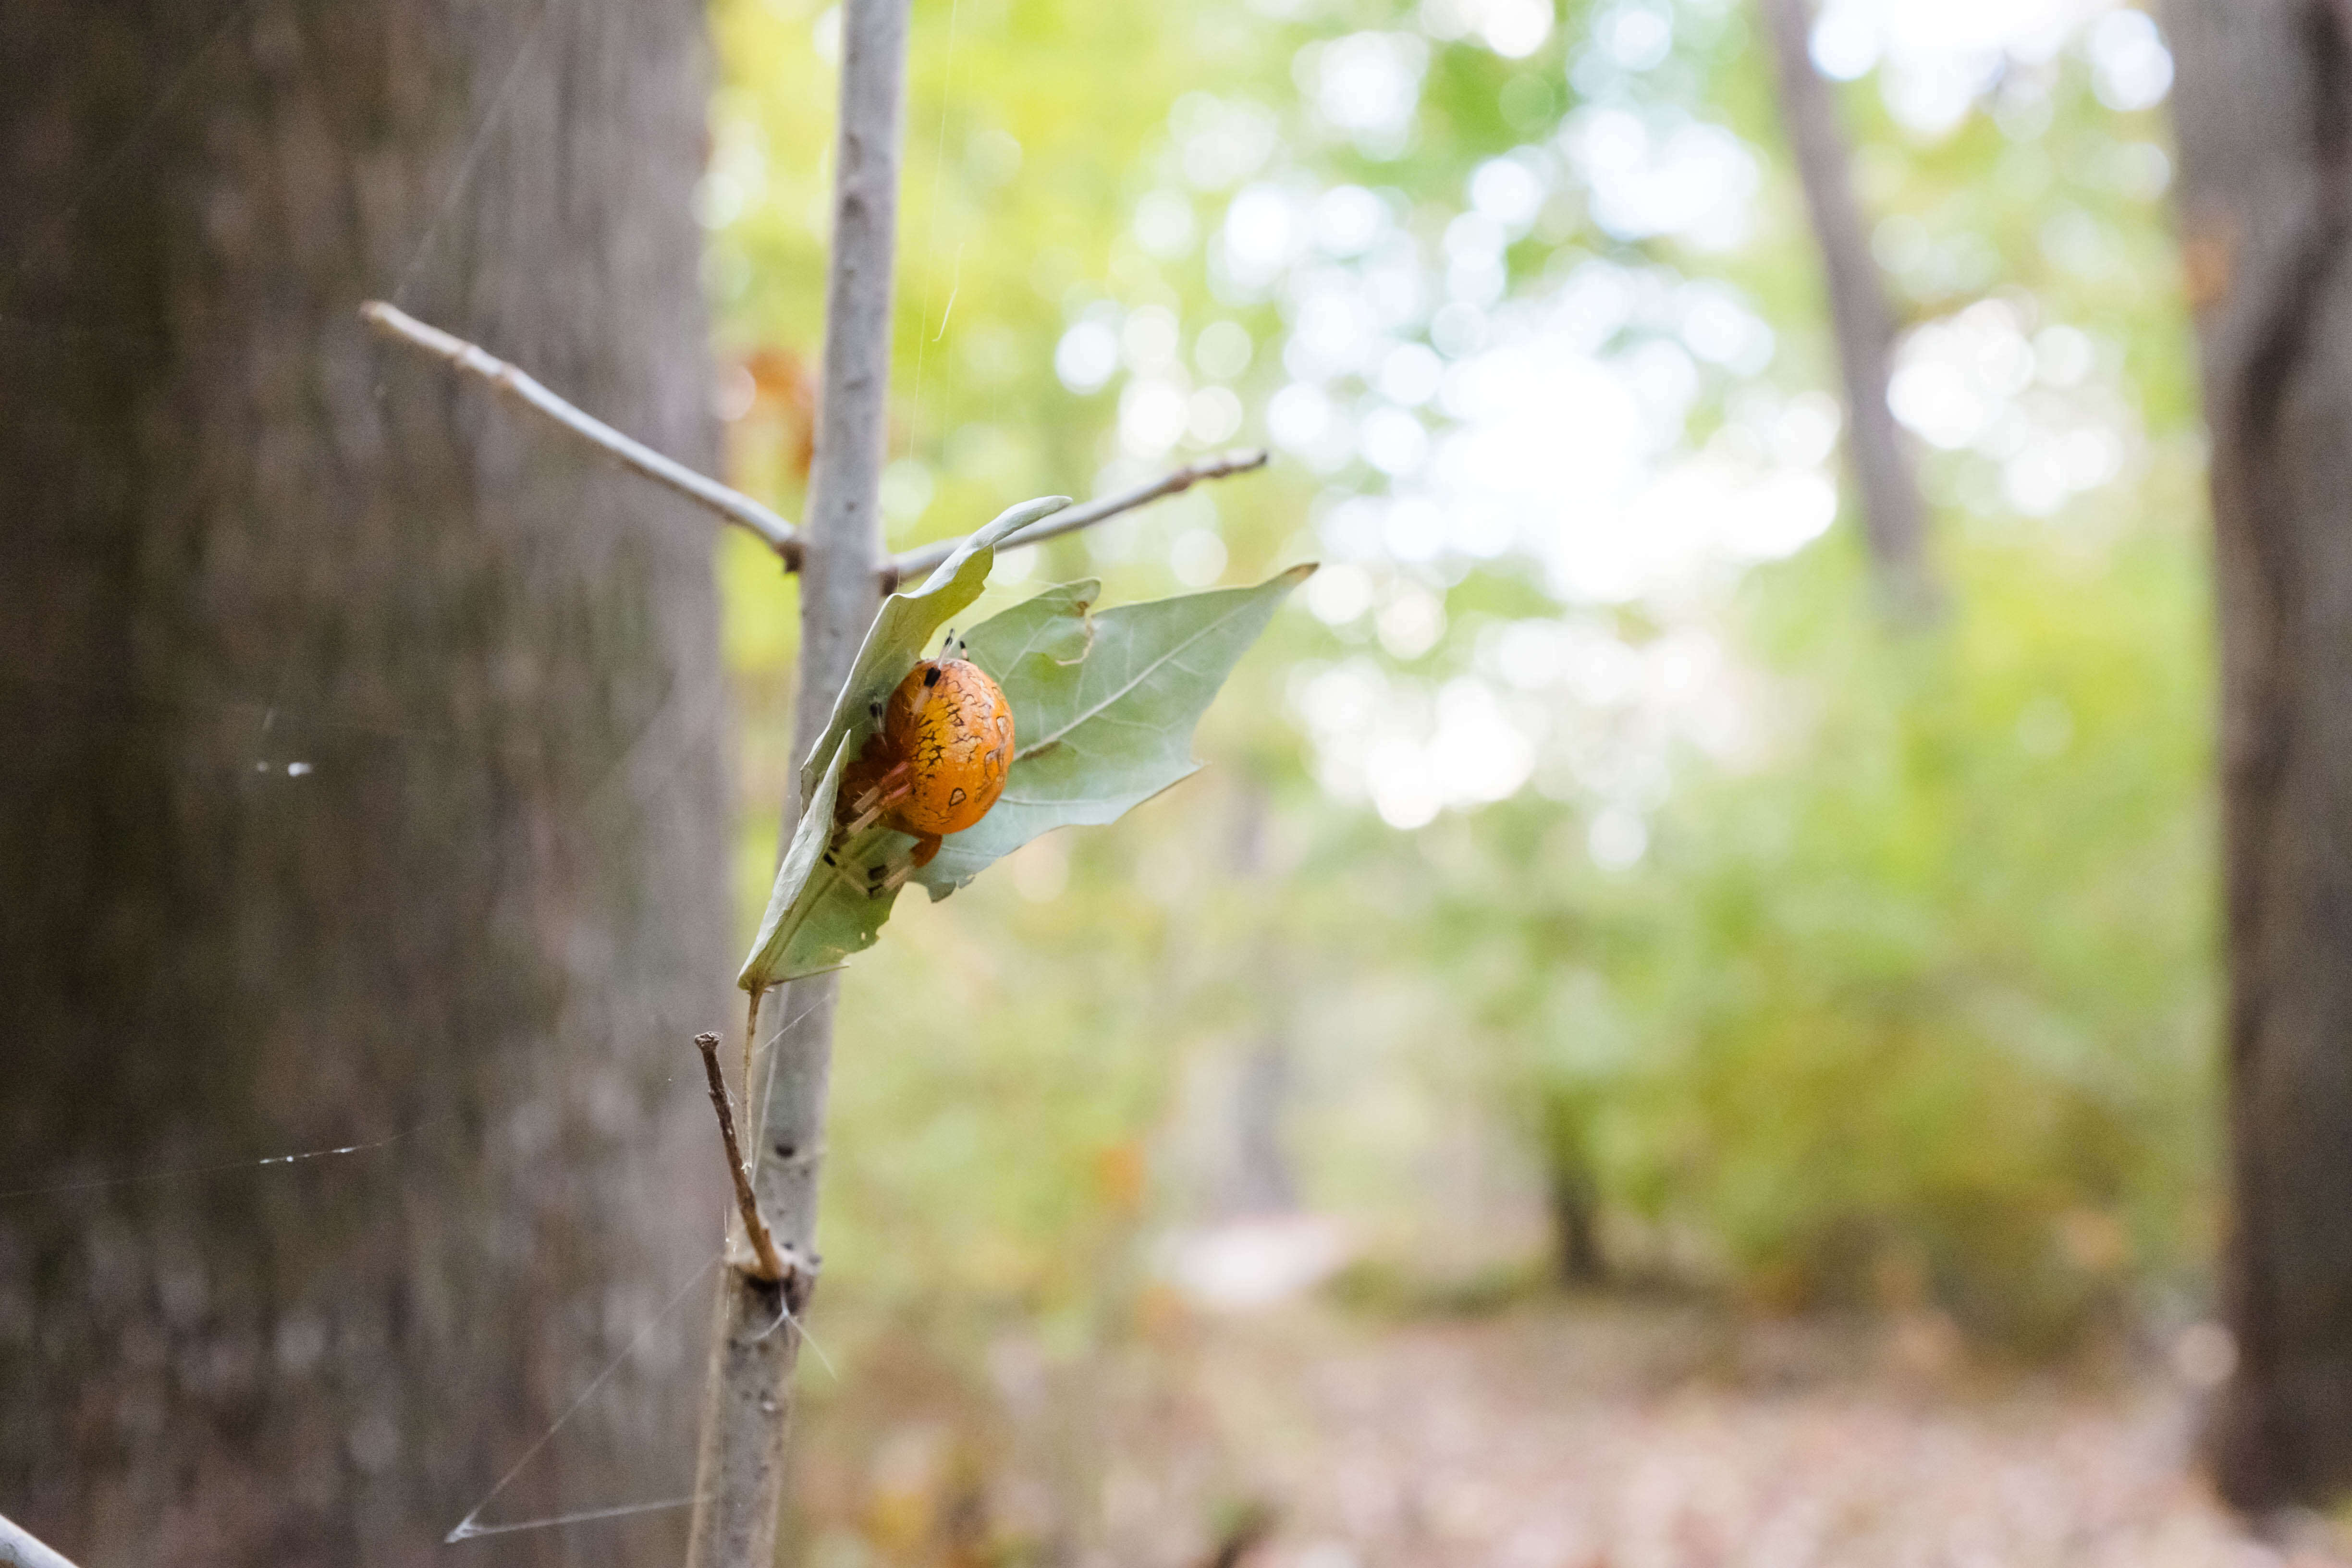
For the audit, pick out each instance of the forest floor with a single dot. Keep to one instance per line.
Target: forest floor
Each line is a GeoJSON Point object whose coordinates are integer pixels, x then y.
{"type": "Point", "coordinates": [1619, 1434]}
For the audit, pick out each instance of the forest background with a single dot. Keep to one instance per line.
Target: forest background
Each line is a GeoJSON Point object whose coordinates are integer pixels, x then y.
{"type": "Point", "coordinates": [1589, 850]}
{"type": "Point", "coordinates": [1588, 858]}
{"type": "Point", "coordinates": [1599, 876]}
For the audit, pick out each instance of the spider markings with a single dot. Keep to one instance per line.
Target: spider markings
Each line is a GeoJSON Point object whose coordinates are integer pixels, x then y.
{"type": "Point", "coordinates": [939, 759]}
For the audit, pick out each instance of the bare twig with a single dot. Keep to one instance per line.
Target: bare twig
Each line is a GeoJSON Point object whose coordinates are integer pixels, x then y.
{"type": "Point", "coordinates": [733, 505]}
{"type": "Point", "coordinates": [916, 562]}
{"type": "Point", "coordinates": [763, 1246]}
{"type": "Point", "coordinates": [20, 1550]}
{"type": "Point", "coordinates": [510, 383]}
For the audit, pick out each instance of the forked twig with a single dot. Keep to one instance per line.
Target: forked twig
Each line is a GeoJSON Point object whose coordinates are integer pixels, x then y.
{"type": "Point", "coordinates": [763, 1246]}
{"type": "Point", "coordinates": [732, 505]}
{"type": "Point", "coordinates": [516, 385]}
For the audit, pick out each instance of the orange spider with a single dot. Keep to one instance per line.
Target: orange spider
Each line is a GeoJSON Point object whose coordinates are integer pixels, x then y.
{"type": "Point", "coordinates": [937, 763]}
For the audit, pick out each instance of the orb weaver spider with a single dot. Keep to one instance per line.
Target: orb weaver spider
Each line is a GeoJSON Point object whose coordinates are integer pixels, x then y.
{"type": "Point", "coordinates": [935, 766]}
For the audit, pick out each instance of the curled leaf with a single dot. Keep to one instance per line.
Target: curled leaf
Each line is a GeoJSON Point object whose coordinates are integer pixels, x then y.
{"type": "Point", "coordinates": [895, 642]}
{"type": "Point", "coordinates": [830, 897]}
{"type": "Point", "coordinates": [788, 909]}
{"type": "Point", "coordinates": [1104, 709]}
{"type": "Point", "coordinates": [1104, 706]}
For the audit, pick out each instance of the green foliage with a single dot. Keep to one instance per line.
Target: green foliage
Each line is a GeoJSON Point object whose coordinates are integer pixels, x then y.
{"type": "Point", "coordinates": [1903, 993]}
{"type": "Point", "coordinates": [1103, 706]}
{"type": "Point", "coordinates": [1916, 1007]}
{"type": "Point", "coordinates": [905, 623]}
{"type": "Point", "coordinates": [1103, 712]}
{"type": "Point", "coordinates": [822, 909]}
{"type": "Point", "coordinates": [825, 907]}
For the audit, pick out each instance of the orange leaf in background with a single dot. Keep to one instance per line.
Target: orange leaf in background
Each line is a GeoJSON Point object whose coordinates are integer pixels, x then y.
{"type": "Point", "coordinates": [783, 391]}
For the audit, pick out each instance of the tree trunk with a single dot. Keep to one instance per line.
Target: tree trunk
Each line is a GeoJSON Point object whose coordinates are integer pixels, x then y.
{"type": "Point", "coordinates": [2264, 105]}
{"type": "Point", "coordinates": [1894, 518]}
{"type": "Point", "coordinates": [360, 775]}
{"type": "Point", "coordinates": [1574, 1181]}
{"type": "Point", "coordinates": [1576, 1228]}
{"type": "Point", "coordinates": [1260, 1179]}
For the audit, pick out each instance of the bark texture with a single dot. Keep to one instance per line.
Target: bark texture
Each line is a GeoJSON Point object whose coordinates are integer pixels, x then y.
{"type": "Point", "coordinates": [1894, 517]}
{"type": "Point", "coordinates": [360, 776]}
{"type": "Point", "coordinates": [2264, 105]}
{"type": "Point", "coordinates": [747, 1403]}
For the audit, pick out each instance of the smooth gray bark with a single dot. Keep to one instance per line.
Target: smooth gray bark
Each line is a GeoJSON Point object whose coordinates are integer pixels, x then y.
{"type": "Point", "coordinates": [1894, 516]}
{"type": "Point", "coordinates": [748, 1403]}
{"type": "Point", "coordinates": [2264, 105]}
{"type": "Point", "coordinates": [18, 1550]}
{"type": "Point", "coordinates": [361, 777]}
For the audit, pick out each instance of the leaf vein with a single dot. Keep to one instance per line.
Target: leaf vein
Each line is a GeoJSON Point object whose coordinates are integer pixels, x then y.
{"type": "Point", "coordinates": [1135, 678]}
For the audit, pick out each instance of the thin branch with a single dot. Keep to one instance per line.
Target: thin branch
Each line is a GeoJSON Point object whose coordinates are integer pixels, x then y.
{"type": "Point", "coordinates": [763, 1246]}
{"type": "Point", "coordinates": [732, 505]}
{"type": "Point", "coordinates": [916, 563]}
{"type": "Point", "coordinates": [741, 1471]}
{"type": "Point", "coordinates": [521, 388]}
{"type": "Point", "coordinates": [19, 1549]}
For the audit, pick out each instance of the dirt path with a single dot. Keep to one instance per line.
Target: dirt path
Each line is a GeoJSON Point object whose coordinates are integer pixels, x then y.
{"type": "Point", "coordinates": [1616, 1438]}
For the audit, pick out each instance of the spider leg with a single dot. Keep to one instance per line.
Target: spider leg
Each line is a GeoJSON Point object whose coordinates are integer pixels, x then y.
{"type": "Point", "coordinates": [872, 813]}
{"type": "Point", "coordinates": [868, 808]}
{"type": "Point", "coordinates": [891, 785]}
{"type": "Point", "coordinates": [887, 877]}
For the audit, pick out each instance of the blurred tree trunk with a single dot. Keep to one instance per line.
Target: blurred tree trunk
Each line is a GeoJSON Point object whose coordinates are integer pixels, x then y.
{"type": "Point", "coordinates": [1260, 1180]}
{"type": "Point", "coordinates": [1894, 517]}
{"type": "Point", "coordinates": [1576, 1226]}
{"type": "Point", "coordinates": [2263, 106]}
{"type": "Point", "coordinates": [1567, 1114]}
{"type": "Point", "coordinates": [360, 776]}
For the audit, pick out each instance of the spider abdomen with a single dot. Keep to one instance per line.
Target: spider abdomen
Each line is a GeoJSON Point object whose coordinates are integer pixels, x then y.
{"type": "Point", "coordinates": [951, 725]}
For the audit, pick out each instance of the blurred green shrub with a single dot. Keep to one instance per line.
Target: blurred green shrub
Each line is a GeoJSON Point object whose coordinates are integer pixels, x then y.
{"type": "Point", "coordinates": [1915, 1011]}
{"type": "Point", "coordinates": [1905, 1004]}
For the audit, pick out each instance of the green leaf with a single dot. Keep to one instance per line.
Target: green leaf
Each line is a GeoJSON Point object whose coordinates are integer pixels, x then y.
{"type": "Point", "coordinates": [824, 906]}
{"type": "Point", "coordinates": [1103, 706]}
{"type": "Point", "coordinates": [1024, 646]}
{"type": "Point", "coordinates": [820, 910]}
{"type": "Point", "coordinates": [838, 913]}
{"type": "Point", "coordinates": [785, 905]}
{"type": "Point", "coordinates": [895, 642]}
